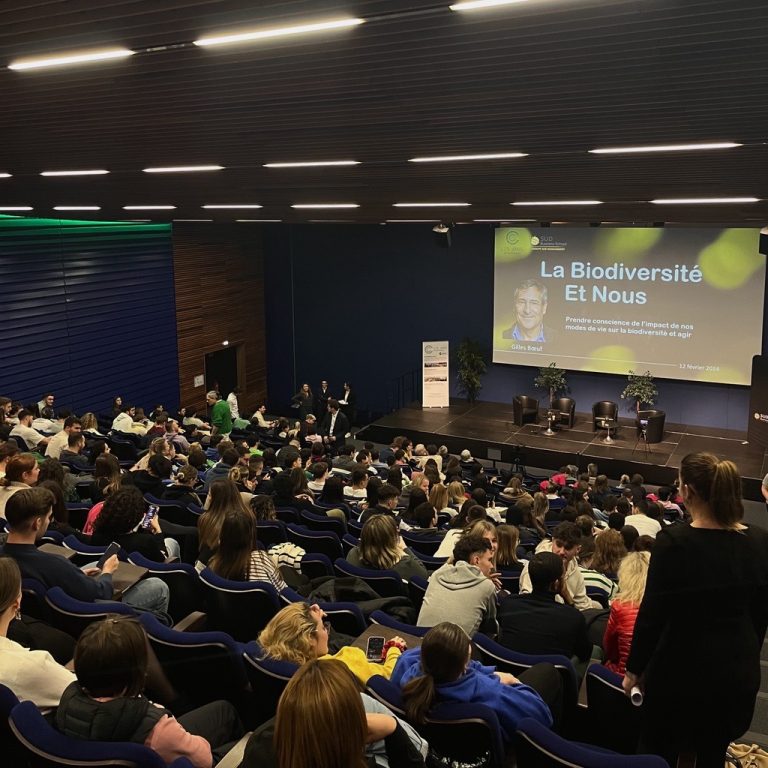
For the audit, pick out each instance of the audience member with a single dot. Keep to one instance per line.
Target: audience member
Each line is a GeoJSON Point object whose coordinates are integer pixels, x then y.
{"type": "Point", "coordinates": [21, 472]}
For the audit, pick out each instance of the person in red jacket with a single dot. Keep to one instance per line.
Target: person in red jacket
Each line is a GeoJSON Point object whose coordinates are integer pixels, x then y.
{"type": "Point", "coordinates": [621, 623]}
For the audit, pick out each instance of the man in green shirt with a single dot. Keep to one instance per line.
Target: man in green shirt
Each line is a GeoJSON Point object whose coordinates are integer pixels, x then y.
{"type": "Point", "coordinates": [221, 418]}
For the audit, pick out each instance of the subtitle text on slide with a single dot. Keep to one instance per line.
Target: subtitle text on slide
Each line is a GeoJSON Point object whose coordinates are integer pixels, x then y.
{"type": "Point", "coordinates": [629, 327]}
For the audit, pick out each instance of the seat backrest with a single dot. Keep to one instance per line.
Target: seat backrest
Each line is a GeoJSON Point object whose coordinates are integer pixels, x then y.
{"type": "Point", "coordinates": [10, 749]}
{"type": "Point", "coordinates": [422, 544]}
{"type": "Point", "coordinates": [325, 542]}
{"type": "Point", "coordinates": [239, 608]}
{"type": "Point", "coordinates": [605, 408]}
{"type": "Point", "coordinates": [267, 676]}
{"type": "Point", "coordinates": [73, 616]}
{"type": "Point", "coordinates": [385, 583]}
{"type": "Point", "coordinates": [379, 617]}
{"type": "Point", "coordinates": [33, 600]}
{"type": "Point", "coordinates": [315, 565]}
{"type": "Point", "coordinates": [201, 666]}
{"type": "Point", "coordinates": [171, 512]}
{"type": "Point", "coordinates": [564, 404]}
{"type": "Point", "coordinates": [186, 593]}
{"type": "Point", "coordinates": [270, 532]}
{"type": "Point", "coordinates": [316, 522]}
{"type": "Point", "coordinates": [45, 747]}
{"type": "Point", "coordinates": [539, 747]}
{"type": "Point", "coordinates": [619, 721]}
{"type": "Point", "coordinates": [381, 689]}
{"type": "Point", "coordinates": [464, 733]}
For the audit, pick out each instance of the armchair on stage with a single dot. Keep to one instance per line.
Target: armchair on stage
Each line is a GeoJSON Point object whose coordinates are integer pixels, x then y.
{"type": "Point", "coordinates": [566, 410]}
{"type": "Point", "coordinates": [525, 410]}
{"type": "Point", "coordinates": [605, 409]}
{"type": "Point", "coordinates": [650, 425]}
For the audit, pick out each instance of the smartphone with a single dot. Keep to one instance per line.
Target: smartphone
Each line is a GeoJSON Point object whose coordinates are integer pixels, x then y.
{"type": "Point", "coordinates": [150, 514]}
{"type": "Point", "coordinates": [112, 549]}
{"type": "Point", "coordinates": [374, 648]}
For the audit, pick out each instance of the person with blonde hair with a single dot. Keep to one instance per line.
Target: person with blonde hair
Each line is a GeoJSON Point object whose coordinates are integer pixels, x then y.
{"type": "Point", "coordinates": [356, 731]}
{"type": "Point", "coordinates": [701, 625]}
{"type": "Point", "coordinates": [633, 573]}
{"type": "Point", "coordinates": [300, 633]}
{"type": "Point", "coordinates": [438, 498]}
{"type": "Point", "coordinates": [508, 539]}
{"type": "Point", "coordinates": [456, 495]}
{"type": "Point", "coordinates": [381, 548]}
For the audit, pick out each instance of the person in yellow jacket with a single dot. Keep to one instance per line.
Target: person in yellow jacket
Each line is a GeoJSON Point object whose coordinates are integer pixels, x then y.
{"type": "Point", "coordinates": [299, 633]}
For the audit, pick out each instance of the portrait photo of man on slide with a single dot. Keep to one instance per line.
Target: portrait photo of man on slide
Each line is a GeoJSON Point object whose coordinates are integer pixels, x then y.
{"type": "Point", "coordinates": [530, 307]}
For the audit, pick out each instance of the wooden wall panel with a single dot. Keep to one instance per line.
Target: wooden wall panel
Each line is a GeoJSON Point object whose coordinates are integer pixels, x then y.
{"type": "Point", "coordinates": [219, 280]}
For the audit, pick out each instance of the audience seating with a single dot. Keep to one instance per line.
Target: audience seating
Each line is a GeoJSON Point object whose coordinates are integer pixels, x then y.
{"type": "Point", "coordinates": [604, 409]}
{"type": "Point", "coordinates": [172, 513]}
{"type": "Point", "coordinates": [385, 583]}
{"type": "Point", "coordinates": [287, 514]}
{"type": "Point", "coordinates": [417, 588]}
{"type": "Point", "coordinates": [239, 608]}
{"type": "Point", "coordinates": [267, 676]}
{"type": "Point", "coordinates": [566, 410]}
{"type": "Point", "coordinates": [326, 543]}
{"type": "Point", "coordinates": [316, 564]}
{"type": "Point", "coordinates": [525, 410]}
{"type": "Point", "coordinates": [422, 545]}
{"type": "Point", "coordinates": [33, 600]}
{"type": "Point", "coordinates": [385, 692]}
{"type": "Point", "coordinates": [10, 748]}
{"type": "Point", "coordinates": [598, 594]}
{"type": "Point", "coordinates": [539, 747]}
{"type": "Point", "coordinates": [348, 543]}
{"type": "Point", "coordinates": [270, 532]}
{"type": "Point", "coordinates": [322, 523]}
{"type": "Point", "coordinates": [611, 720]}
{"type": "Point", "coordinates": [354, 527]}
{"type": "Point", "coordinates": [379, 617]}
{"type": "Point", "coordinates": [86, 553]}
{"type": "Point", "coordinates": [430, 563]}
{"type": "Point", "coordinates": [73, 616]}
{"type": "Point", "coordinates": [201, 666]}
{"type": "Point", "coordinates": [123, 448]}
{"type": "Point", "coordinates": [45, 747]}
{"type": "Point", "coordinates": [186, 594]}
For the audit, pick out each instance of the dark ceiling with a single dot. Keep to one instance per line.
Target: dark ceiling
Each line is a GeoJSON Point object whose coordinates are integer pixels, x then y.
{"type": "Point", "coordinates": [552, 78]}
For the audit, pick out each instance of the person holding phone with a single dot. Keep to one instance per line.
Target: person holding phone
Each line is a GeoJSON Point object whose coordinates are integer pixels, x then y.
{"type": "Point", "coordinates": [299, 633]}
{"type": "Point", "coordinates": [124, 519]}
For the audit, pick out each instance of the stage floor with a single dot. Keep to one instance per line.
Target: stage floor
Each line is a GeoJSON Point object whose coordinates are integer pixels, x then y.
{"type": "Point", "coordinates": [488, 431]}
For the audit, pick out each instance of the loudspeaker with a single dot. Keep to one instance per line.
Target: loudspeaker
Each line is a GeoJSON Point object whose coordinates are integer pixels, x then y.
{"type": "Point", "coordinates": [764, 244]}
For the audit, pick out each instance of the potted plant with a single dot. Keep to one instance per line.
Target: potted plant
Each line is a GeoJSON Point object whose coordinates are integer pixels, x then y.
{"type": "Point", "coordinates": [552, 379]}
{"type": "Point", "coordinates": [641, 389]}
{"type": "Point", "coordinates": [470, 356]}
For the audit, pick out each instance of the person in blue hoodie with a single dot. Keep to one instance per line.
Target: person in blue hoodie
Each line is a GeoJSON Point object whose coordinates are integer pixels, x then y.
{"type": "Point", "coordinates": [442, 670]}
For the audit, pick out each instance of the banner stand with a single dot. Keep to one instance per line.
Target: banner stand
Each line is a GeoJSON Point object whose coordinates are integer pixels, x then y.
{"type": "Point", "coordinates": [434, 374]}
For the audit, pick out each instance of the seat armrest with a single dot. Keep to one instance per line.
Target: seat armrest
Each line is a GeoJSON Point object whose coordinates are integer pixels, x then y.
{"type": "Point", "coordinates": [234, 757]}
{"type": "Point", "coordinates": [193, 622]}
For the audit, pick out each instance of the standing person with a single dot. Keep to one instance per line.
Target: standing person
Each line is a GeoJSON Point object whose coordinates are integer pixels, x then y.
{"type": "Point", "coordinates": [234, 405]}
{"type": "Point", "coordinates": [701, 625]}
{"type": "Point", "coordinates": [322, 397]}
{"type": "Point", "coordinates": [303, 400]}
{"type": "Point", "coordinates": [348, 402]}
{"type": "Point", "coordinates": [221, 418]}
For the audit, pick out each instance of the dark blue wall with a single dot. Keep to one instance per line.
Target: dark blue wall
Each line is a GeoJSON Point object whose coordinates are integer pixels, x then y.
{"type": "Point", "coordinates": [356, 301]}
{"type": "Point", "coordinates": [88, 312]}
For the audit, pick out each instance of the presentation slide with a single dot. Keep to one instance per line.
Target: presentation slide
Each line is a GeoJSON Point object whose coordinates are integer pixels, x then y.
{"type": "Point", "coordinates": [680, 303]}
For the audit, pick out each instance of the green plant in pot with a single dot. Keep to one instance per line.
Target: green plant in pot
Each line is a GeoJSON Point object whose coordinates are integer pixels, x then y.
{"type": "Point", "coordinates": [641, 389]}
{"type": "Point", "coordinates": [553, 380]}
{"type": "Point", "coordinates": [470, 357]}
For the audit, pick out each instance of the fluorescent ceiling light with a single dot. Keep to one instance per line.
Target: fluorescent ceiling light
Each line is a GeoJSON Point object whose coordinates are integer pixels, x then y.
{"type": "Point", "coordinates": [63, 59]}
{"type": "Point", "coordinates": [325, 205]}
{"type": "Point", "coordinates": [494, 220]}
{"type": "Point", "coordinates": [196, 220]}
{"type": "Point", "coordinates": [664, 148]}
{"type": "Point", "coordinates": [184, 168]}
{"type": "Point", "coordinates": [449, 158]}
{"type": "Point", "coordinates": [263, 34]}
{"type": "Point", "coordinates": [412, 221]}
{"type": "Point", "coordinates": [94, 172]}
{"type": "Point", "coordinates": [476, 5]}
{"type": "Point", "coordinates": [315, 164]}
{"type": "Point", "coordinates": [332, 221]}
{"type": "Point", "coordinates": [702, 200]}
{"type": "Point", "coordinates": [149, 207]}
{"type": "Point", "coordinates": [76, 207]}
{"type": "Point", "coordinates": [431, 205]}
{"type": "Point", "coordinates": [5, 175]}
{"type": "Point", "coordinates": [231, 205]}
{"type": "Point", "coordinates": [258, 221]}
{"type": "Point", "coordinates": [15, 207]}
{"type": "Point", "coordinates": [559, 202]}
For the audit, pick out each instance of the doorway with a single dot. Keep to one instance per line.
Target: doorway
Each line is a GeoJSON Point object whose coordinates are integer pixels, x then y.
{"type": "Point", "coordinates": [221, 370]}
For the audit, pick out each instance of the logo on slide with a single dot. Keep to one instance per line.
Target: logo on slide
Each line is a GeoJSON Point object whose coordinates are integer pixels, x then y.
{"type": "Point", "coordinates": [761, 417]}
{"type": "Point", "coordinates": [535, 240]}
{"type": "Point", "coordinates": [513, 237]}
{"type": "Point", "coordinates": [429, 349]}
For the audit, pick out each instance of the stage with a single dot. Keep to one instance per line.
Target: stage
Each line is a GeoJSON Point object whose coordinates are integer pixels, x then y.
{"type": "Point", "coordinates": [488, 431]}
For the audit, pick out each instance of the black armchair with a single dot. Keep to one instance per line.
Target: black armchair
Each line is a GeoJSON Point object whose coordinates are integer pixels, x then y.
{"type": "Point", "coordinates": [605, 409]}
{"type": "Point", "coordinates": [566, 410]}
{"type": "Point", "coordinates": [525, 410]}
{"type": "Point", "coordinates": [654, 428]}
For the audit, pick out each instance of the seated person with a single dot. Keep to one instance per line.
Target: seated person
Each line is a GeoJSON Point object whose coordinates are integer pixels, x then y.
{"type": "Point", "coordinates": [617, 641]}
{"type": "Point", "coordinates": [181, 491]}
{"type": "Point", "coordinates": [28, 513]}
{"type": "Point", "coordinates": [470, 514]}
{"type": "Point", "coordinates": [121, 520]}
{"type": "Point", "coordinates": [237, 558]}
{"type": "Point", "coordinates": [150, 480]}
{"type": "Point", "coordinates": [462, 591]}
{"type": "Point", "coordinates": [299, 633]}
{"type": "Point", "coordinates": [599, 571]}
{"type": "Point", "coordinates": [644, 518]}
{"type": "Point", "coordinates": [424, 522]}
{"type": "Point", "coordinates": [442, 670]}
{"type": "Point", "coordinates": [535, 622]}
{"type": "Point", "coordinates": [508, 540]}
{"type": "Point", "coordinates": [388, 496]}
{"type": "Point", "coordinates": [358, 482]}
{"type": "Point", "coordinates": [355, 730]}
{"type": "Point", "coordinates": [381, 548]}
{"type": "Point", "coordinates": [566, 544]}
{"type": "Point", "coordinates": [32, 675]}
{"type": "Point", "coordinates": [106, 702]}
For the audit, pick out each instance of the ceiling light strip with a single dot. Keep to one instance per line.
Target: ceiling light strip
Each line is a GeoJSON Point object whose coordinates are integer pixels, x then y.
{"type": "Point", "coordinates": [307, 206]}
{"type": "Point", "coordinates": [451, 158]}
{"type": "Point", "coordinates": [558, 202]}
{"type": "Point", "coordinates": [183, 168]}
{"type": "Point", "coordinates": [664, 148]}
{"type": "Point", "coordinates": [702, 200]}
{"type": "Point", "coordinates": [263, 34]}
{"type": "Point", "coordinates": [477, 5]}
{"type": "Point", "coordinates": [62, 60]}
{"type": "Point", "coordinates": [431, 205]}
{"type": "Point", "coordinates": [90, 172]}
